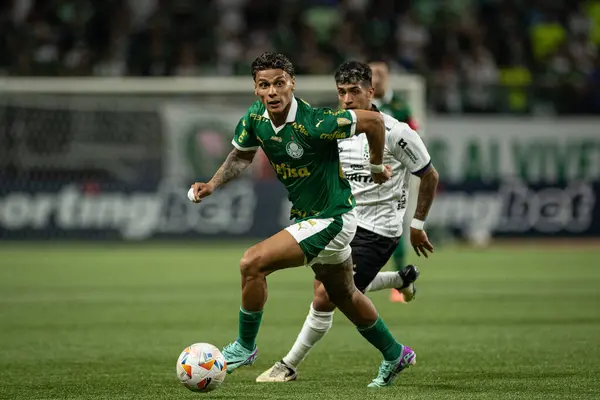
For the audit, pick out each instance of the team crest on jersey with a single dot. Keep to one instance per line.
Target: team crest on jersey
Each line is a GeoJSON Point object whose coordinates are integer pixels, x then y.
{"type": "Point", "coordinates": [294, 150]}
{"type": "Point", "coordinates": [343, 121]}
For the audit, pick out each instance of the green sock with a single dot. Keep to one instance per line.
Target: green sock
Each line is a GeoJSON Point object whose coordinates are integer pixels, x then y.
{"type": "Point", "coordinates": [248, 328]}
{"type": "Point", "coordinates": [399, 255]}
{"type": "Point", "coordinates": [379, 336]}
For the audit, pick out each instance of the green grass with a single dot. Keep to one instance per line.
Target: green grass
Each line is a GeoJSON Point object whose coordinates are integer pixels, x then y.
{"type": "Point", "coordinates": [96, 322]}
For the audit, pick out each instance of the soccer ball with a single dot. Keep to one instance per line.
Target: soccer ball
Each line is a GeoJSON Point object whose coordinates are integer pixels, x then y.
{"type": "Point", "coordinates": [201, 367]}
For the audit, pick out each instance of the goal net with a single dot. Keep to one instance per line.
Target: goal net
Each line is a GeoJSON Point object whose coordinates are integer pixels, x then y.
{"type": "Point", "coordinates": [131, 133]}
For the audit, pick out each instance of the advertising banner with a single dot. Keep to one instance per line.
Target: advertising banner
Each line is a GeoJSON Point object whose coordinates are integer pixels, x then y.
{"type": "Point", "coordinates": [516, 208]}
{"type": "Point", "coordinates": [243, 208]}
{"type": "Point", "coordinates": [511, 177]}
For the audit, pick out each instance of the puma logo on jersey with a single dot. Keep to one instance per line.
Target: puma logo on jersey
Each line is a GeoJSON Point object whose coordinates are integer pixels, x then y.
{"type": "Point", "coordinates": [311, 222]}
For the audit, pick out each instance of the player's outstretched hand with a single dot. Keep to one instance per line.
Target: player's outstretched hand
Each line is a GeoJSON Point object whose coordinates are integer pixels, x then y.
{"type": "Point", "coordinates": [420, 242]}
{"type": "Point", "coordinates": [382, 177]}
{"type": "Point", "coordinates": [201, 190]}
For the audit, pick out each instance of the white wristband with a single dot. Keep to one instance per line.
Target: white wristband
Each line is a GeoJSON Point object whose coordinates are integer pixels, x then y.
{"type": "Point", "coordinates": [377, 169]}
{"type": "Point", "coordinates": [417, 224]}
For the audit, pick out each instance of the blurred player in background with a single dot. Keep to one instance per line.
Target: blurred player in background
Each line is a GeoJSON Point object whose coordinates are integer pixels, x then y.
{"type": "Point", "coordinates": [392, 104]}
{"type": "Point", "coordinates": [380, 211]}
{"type": "Point", "coordinates": [385, 99]}
{"type": "Point", "coordinates": [301, 144]}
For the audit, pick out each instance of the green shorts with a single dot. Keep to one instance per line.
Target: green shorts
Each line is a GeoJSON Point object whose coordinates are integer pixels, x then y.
{"type": "Point", "coordinates": [325, 240]}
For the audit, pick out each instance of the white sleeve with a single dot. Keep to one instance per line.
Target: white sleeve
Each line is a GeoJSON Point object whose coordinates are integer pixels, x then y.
{"type": "Point", "coordinates": [407, 147]}
{"type": "Point", "coordinates": [354, 122]}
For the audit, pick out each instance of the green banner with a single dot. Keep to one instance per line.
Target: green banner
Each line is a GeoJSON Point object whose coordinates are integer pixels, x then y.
{"type": "Point", "coordinates": [473, 156]}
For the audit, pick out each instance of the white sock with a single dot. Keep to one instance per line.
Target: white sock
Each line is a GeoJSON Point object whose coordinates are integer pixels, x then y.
{"type": "Point", "coordinates": [385, 280]}
{"type": "Point", "coordinates": [315, 326]}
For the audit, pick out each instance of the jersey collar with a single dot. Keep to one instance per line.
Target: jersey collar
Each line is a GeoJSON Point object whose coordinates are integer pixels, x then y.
{"type": "Point", "coordinates": [291, 117]}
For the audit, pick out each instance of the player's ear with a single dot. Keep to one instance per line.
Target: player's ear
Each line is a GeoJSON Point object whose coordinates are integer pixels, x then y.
{"type": "Point", "coordinates": [293, 80]}
{"type": "Point", "coordinates": [371, 92]}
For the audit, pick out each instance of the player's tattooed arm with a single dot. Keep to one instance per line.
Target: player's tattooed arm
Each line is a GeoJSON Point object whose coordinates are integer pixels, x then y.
{"type": "Point", "coordinates": [237, 161]}
{"type": "Point", "coordinates": [427, 189]}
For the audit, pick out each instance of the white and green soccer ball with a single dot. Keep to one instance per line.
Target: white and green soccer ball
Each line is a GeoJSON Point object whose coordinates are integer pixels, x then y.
{"type": "Point", "coordinates": [201, 367]}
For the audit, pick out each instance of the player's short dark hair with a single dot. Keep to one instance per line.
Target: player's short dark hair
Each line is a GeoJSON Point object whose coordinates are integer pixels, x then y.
{"type": "Point", "coordinates": [354, 72]}
{"type": "Point", "coordinates": [270, 60]}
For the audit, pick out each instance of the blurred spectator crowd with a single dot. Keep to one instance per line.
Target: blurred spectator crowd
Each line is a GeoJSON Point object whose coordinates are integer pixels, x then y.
{"type": "Point", "coordinates": [479, 56]}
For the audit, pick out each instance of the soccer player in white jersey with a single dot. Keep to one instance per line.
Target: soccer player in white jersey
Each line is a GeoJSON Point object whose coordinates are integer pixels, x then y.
{"type": "Point", "coordinates": [380, 211]}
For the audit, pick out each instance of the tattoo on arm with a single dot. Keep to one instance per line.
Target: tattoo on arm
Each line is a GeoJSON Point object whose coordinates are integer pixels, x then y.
{"type": "Point", "coordinates": [429, 182]}
{"type": "Point", "coordinates": [237, 161]}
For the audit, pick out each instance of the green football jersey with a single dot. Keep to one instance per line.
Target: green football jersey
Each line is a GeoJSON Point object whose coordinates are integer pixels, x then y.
{"type": "Point", "coordinates": [304, 154]}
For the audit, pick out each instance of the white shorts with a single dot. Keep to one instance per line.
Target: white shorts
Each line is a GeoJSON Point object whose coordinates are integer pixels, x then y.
{"type": "Point", "coordinates": [325, 240]}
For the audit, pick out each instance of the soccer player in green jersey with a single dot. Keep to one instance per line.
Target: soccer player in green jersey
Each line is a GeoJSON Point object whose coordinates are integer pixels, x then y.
{"type": "Point", "coordinates": [391, 103]}
{"type": "Point", "coordinates": [380, 210]}
{"type": "Point", "coordinates": [301, 144]}
{"type": "Point", "coordinates": [385, 99]}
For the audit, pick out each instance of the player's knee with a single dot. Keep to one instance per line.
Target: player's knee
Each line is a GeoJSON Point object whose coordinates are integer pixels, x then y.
{"type": "Point", "coordinates": [321, 301]}
{"type": "Point", "coordinates": [251, 263]}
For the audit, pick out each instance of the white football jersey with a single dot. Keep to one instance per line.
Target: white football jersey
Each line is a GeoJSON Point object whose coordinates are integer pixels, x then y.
{"type": "Point", "coordinates": [381, 208]}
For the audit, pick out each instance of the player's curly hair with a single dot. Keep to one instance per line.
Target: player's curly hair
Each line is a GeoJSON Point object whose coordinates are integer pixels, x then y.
{"type": "Point", "coordinates": [354, 72]}
{"type": "Point", "coordinates": [270, 60]}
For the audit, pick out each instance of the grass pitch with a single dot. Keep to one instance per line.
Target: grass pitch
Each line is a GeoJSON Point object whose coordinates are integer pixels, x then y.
{"type": "Point", "coordinates": [96, 322]}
